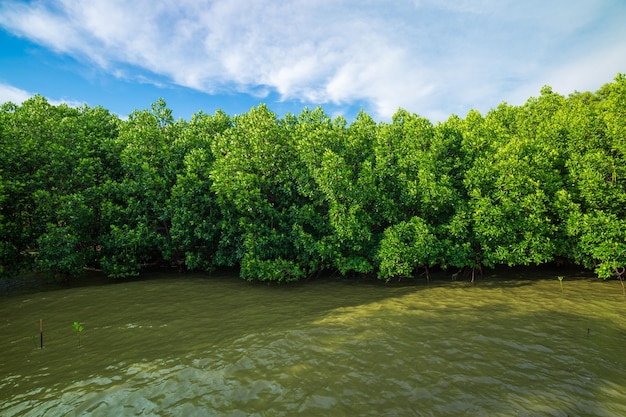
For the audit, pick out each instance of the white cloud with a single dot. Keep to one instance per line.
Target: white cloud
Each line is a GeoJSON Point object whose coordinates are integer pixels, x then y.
{"type": "Point", "coordinates": [432, 57]}
{"type": "Point", "coordinates": [13, 94]}
{"type": "Point", "coordinates": [67, 102]}
{"type": "Point", "coordinates": [18, 96]}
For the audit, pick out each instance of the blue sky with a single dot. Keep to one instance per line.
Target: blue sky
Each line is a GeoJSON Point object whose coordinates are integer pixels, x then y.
{"type": "Point", "coordinates": [430, 57]}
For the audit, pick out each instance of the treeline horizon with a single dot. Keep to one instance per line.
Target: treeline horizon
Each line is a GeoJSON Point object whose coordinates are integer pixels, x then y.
{"type": "Point", "coordinates": [285, 198]}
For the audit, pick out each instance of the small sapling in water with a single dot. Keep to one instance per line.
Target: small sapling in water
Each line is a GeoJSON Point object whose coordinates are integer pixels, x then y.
{"type": "Point", "coordinates": [78, 328]}
{"type": "Point", "coordinates": [560, 277]}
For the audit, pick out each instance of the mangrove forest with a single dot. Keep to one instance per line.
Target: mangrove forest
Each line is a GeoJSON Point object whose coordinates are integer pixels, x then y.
{"type": "Point", "coordinates": [283, 198]}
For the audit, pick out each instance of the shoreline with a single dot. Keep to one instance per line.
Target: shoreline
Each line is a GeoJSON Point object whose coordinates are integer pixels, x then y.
{"type": "Point", "coordinates": [34, 282]}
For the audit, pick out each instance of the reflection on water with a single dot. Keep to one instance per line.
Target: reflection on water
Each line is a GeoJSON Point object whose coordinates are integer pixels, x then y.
{"type": "Point", "coordinates": [219, 346]}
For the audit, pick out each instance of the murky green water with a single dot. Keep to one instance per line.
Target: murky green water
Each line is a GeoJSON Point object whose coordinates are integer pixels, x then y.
{"type": "Point", "coordinates": [219, 346]}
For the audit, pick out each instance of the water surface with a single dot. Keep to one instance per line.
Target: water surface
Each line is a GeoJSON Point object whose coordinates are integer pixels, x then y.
{"type": "Point", "coordinates": [511, 345]}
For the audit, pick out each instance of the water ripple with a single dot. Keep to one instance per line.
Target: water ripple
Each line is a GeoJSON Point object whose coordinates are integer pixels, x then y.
{"type": "Point", "coordinates": [221, 348]}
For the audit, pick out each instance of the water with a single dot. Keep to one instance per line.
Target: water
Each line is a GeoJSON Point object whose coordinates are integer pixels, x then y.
{"type": "Point", "coordinates": [198, 346]}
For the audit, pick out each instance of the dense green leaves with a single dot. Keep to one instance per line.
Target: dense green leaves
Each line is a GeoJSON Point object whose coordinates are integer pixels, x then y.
{"type": "Point", "coordinates": [284, 198]}
{"type": "Point", "coordinates": [405, 247]}
{"type": "Point", "coordinates": [53, 161]}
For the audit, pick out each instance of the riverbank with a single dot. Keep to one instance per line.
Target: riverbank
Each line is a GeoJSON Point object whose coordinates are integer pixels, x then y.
{"type": "Point", "coordinates": [34, 282]}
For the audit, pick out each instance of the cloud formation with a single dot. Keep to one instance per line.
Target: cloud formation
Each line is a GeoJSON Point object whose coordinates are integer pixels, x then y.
{"type": "Point", "coordinates": [13, 94]}
{"type": "Point", "coordinates": [9, 93]}
{"type": "Point", "coordinates": [432, 57]}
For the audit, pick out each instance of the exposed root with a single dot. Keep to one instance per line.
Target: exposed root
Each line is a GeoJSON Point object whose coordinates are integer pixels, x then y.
{"type": "Point", "coordinates": [480, 271]}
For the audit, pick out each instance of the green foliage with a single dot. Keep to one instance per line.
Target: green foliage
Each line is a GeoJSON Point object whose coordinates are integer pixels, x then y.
{"type": "Point", "coordinates": [194, 214]}
{"type": "Point", "coordinates": [253, 181]}
{"type": "Point", "coordinates": [78, 328]}
{"type": "Point", "coordinates": [53, 161]}
{"type": "Point", "coordinates": [405, 247]}
{"type": "Point", "coordinates": [602, 243]}
{"type": "Point", "coordinates": [284, 198]}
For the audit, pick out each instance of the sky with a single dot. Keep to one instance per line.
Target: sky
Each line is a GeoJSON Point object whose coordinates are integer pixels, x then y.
{"type": "Point", "coordinates": [434, 58]}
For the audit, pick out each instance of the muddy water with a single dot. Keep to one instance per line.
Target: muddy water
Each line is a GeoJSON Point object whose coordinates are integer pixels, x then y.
{"type": "Point", "coordinates": [512, 345]}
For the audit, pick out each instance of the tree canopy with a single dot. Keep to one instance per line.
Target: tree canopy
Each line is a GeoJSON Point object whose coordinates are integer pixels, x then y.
{"type": "Point", "coordinates": [285, 198]}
